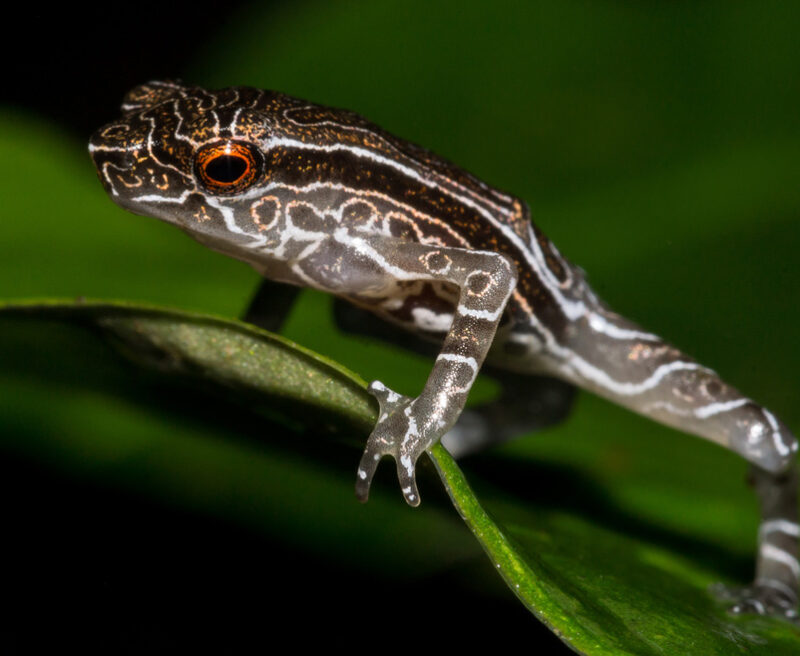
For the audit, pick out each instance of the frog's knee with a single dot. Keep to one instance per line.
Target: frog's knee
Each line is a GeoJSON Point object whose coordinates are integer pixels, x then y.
{"type": "Point", "coordinates": [765, 441]}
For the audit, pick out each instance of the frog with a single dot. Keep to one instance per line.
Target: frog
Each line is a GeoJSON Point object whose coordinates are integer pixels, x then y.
{"type": "Point", "coordinates": [413, 246]}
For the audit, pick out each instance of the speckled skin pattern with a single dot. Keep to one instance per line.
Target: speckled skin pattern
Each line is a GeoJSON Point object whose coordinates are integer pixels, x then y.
{"type": "Point", "coordinates": [319, 197]}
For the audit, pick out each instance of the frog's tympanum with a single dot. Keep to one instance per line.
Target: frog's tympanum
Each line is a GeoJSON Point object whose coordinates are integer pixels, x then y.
{"type": "Point", "coordinates": [317, 197]}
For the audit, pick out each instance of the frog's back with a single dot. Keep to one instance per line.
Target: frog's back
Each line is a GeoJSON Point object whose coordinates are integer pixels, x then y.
{"type": "Point", "coordinates": [315, 145]}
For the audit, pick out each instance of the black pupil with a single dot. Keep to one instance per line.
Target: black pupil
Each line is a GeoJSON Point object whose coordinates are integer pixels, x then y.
{"type": "Point", "coordinates": [226, 169]}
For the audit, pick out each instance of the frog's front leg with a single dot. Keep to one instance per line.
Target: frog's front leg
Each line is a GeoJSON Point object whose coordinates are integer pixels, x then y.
{"type": "Point", "coordinates": [407, 427]}
{"type": "Point", "coordinates": [526, 402]}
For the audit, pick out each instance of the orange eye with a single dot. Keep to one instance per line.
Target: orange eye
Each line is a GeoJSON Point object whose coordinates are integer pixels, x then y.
{"type": "Point", "coordinates": [228, 167]}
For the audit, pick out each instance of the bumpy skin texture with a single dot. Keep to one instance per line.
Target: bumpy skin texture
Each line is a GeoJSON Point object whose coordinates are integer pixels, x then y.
{"type": "Point", "coordinates": [319, 197]}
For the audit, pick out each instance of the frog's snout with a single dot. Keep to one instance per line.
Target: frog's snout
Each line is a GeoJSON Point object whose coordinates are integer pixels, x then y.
{"type": "Point", "coordinates": [105, 150]}
{"type": "Point", "coordinates": [122, 161]}
{"type": "Point", "coordinates": [113, 159]}
{"type": "Point", "coordinates": [131, 176]}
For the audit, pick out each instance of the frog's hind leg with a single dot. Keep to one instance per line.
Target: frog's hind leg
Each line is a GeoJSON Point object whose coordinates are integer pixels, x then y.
{"type": "Point", "coordinates": [610, 356]}
{"type": "Point", "coordinates": [526, 402]}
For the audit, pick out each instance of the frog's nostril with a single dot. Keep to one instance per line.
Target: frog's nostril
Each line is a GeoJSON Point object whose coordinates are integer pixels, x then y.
{"type": "Point", "coordinates": [114, 143]}
{"type": "Point", "coordinates": [124, 160]}
{"type": "Point", "coordinates": [115, 167]}
{"type": "Point", "coordinates": [98, 143]}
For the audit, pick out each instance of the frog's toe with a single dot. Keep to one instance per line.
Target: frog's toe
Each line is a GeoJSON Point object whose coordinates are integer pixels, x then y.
{"type": "Point", "coordinates": [376, 448]}
{"type": "Point", "coordinates": [769, 598]}
{"type": "Point", "coordinates": [406, 474]}
{"type": "Point", "coordinates": [388, 400]}
{"type": "Point", "coordinates": [395, 434]}
{"type": "Point", "coordinates": [366, 471]}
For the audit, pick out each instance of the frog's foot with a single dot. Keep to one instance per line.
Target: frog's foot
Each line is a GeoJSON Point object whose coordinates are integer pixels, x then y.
{"type": "Point", "coordinates": [395, 434]}
{"type": "Point", "coordinates": [763, 597]}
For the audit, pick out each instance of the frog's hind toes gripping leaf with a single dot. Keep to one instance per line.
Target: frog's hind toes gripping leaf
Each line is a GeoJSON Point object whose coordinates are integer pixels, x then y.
{"type": "Point", "coordinates": [768, 599]}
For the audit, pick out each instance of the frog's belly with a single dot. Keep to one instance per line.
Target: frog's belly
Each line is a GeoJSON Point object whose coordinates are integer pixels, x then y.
{"type": "Point", "coordinates": [426, 308]}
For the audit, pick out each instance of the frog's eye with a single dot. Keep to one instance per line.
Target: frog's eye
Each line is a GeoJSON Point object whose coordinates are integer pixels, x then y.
{"type": "Point", "coordinates": [227, 167]}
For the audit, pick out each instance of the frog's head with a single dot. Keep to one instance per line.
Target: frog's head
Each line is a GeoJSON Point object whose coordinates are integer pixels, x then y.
{"type": "Point", "coordinates": [186, 155]}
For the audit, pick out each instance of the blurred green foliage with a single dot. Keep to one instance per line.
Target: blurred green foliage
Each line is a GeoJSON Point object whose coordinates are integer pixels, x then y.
{"type": "Point", "coordinates": [659, 147]}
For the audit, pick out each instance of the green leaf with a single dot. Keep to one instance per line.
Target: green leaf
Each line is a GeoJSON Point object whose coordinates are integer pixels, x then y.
{"type": "Point", "coordinates": [606, 591]}
{"type": "Point", "coordinates": [602, 591]}
{"type": "Point", "coordinates": [227, 352]}
{"type": "Point", "coordinates": [223, 419]}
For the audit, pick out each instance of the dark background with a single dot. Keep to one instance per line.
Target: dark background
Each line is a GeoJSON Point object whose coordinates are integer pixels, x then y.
{"type": "Point", "coordinates": [655, 141]}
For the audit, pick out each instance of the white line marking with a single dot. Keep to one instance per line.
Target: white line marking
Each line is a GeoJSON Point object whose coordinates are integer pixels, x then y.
{"type": "Point", "coordinates": [779, 526]}
{"type": "Point", "coordinates": [462, 359]}
{"type": "Point", "coordinates": [771, 552]}
{"type": "Point", "coordinates": [602, 325]}
{"type": "Point", "coordinates": [481, 314]}
{"type": "Point", "coordinates": [716, 408]}
{"type": "Point", "coordinates": [777, 436]}
{"type": "Point", "coordinates": [429, 320]}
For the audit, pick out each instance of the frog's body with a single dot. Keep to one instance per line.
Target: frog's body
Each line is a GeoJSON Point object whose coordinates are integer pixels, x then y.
{"type": "Point", "coordinates": [321, 198]}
